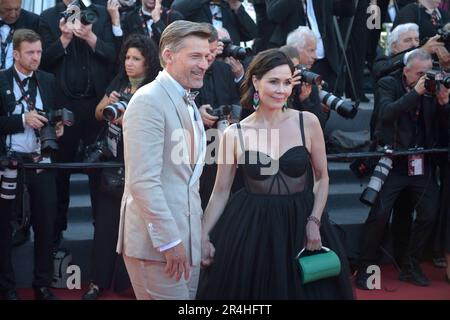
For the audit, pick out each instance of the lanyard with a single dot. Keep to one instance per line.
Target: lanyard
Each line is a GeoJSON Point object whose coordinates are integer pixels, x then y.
{"type": "Point", "coordinates": [4, 47]}
{"type": "Point", "coordinates": [30, 95]}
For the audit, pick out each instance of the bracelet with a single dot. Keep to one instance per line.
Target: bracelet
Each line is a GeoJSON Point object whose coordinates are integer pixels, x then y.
{"type": "Point", "coordinates": [314, 219]}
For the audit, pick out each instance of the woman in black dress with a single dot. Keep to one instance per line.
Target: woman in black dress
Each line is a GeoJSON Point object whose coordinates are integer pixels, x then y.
{"type": "Point", "coordinates": [250, 241]}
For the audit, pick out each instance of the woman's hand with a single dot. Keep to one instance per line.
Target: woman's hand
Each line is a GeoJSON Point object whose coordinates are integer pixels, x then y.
{"type": "Point", "coordinates": [113, 97]}
{"type": "Point", "coordinates": [208, 251]}
{"type": "Point", "coordinates": [313, 240]}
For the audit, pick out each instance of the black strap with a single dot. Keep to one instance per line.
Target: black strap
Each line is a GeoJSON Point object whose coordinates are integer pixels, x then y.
{"type": "Point", "coordinates": [29, 96]}
{"type": "Point", "coordinates": [241, 138]}
{"type": "Point", "coordinates": [302, 130]}
{"type": "Point", "coordinates": [4, 47]}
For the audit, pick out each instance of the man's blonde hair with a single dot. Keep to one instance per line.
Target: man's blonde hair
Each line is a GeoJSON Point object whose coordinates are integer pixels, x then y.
{"type": "Point", "coordinates": [173, 36]}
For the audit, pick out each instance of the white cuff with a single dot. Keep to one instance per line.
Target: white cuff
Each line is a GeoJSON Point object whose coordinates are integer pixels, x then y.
{"type": "Point", "coordinates": [239, 79]}
{"type": "Point", "coordinates": [117, 31]}
{"type": "Point", "coordinates": [169, 245]}
{"type": "Point", "coordinates": [23, 120]}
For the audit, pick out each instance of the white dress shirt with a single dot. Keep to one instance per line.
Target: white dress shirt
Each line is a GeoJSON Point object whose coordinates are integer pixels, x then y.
{"type": "Point", "coordinates": [320, 50]}
{"type": "Point", "coordinates": [4, 33]}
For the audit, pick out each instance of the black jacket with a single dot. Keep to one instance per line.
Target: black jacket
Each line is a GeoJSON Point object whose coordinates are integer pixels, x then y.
{"type": "Point", "coordinates": [27, 20]}
{"type": "Point", "coordinates": [54, 54]}
{"type": "Point", "coordinates": [240, 25]}
{"type": "Point", "coordinates": [10, 124]}
{"type": "Point", "coordinates": [132, 23]}
{"type": "Point", "coordinates": [397, 115]}
{"type": "Point", "coordinates": [287, 15]}
{"type": "Point", "coordinates": [219, 87]}
{"type": "Point", "coordinates": [417, 14]}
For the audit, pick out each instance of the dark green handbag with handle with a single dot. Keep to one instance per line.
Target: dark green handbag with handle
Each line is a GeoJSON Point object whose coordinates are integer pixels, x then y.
{"type": "Point", "coordinates": [317, 265]}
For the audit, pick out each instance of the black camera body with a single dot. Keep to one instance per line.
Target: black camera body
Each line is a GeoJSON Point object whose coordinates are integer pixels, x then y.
{"type": "Point", "coordinates": [231, 50]}
{"type": "Point", "coordinates": [444, 37]}
{"type": "Point", "coordinates": [47, 134]}
{"type": "Point", "coordinates": [222, 112]}
{"type": "Point", "coordinates": [310, 77]}
{"type": "Point", "coordinates": [114, 111]}
{"type": "Point", "coordinates": [344, 108]}
{"type": "Point", "coordinates": [83, 9]}
{"type": "Point", "coordinates": [97, 152]}
{"type": "Point", "coordinates": [435, 78]}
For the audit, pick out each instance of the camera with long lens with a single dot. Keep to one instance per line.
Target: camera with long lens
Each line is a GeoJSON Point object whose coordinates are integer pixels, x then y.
{"type": "Point", "coordinates": [223, 113]}
{"type": "Point", "coordinates": [435, 78]}
{"type": "Point", "coordinates": [113, 111]}
{"type": "Point", "coordinates": [444, 36]}
{"type": "Point", "coordinates": [47, 134]}
{"type": "Point", "coordinates": [344, 108]}
{"type": "Point", "coordinates": [231, 50]}
{"type": "Point", "coordinates": [382, 169]}
{"type": "Point", "coordinates": [8, 178]}
{"type": "Point", "coordinates": [83, 9]}
{"type": "Point", "coordinates": [97, 152]}
{"type": "Point", "coordinates": [310, 77]}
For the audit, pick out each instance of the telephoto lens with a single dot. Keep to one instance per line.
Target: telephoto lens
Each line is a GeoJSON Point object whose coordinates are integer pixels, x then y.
{"type": "Point", "coordinates": [113, 111]}
{"type": "Point", "coordinates": [8, 178]}
{"type": "Point", "coordinates": [344, 108]}
{"type": "Point", "coordinates": [370, 194]}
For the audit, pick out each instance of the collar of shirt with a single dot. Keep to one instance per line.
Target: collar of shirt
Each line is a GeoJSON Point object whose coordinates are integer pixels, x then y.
{"type": "Point", "coordinates": [430, 12]}
{"type": "Point", "coordinates": [146, 13]}
{"type": "Point", "coordinates": [177, 85]}
{"type": "Point", "coordinates": [23, 76]}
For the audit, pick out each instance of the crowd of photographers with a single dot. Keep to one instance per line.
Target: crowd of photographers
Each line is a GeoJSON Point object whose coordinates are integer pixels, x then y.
{"type": "Point", "coordinates": [68, 74]}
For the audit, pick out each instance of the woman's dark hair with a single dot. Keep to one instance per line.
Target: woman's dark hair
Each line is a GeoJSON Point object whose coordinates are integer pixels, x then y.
{"type": "Point", "coordinates": [148, 49]}
{"type": "Point", "coordinates": [260, 65]}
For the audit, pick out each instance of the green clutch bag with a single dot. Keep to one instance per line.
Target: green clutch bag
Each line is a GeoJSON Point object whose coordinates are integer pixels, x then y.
{"type": "Point", "coordinates": [317, 265]}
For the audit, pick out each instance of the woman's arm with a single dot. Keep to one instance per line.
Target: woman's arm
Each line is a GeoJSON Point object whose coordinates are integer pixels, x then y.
{"type": "Point", "coordinates": [112, 98]}
{"type": "Point", "coordinates": [226, 170]}
{"type": "Point", "coordinates": [314, 137]}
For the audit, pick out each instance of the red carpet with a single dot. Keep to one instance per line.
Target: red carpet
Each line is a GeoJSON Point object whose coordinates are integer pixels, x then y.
{"type": "Point", "coordinates": [391, 288]}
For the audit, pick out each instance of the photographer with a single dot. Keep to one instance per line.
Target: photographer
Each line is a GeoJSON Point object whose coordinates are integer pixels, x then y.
{"type": "Point", "coordinates": [306, 96]}
{"type": "Point", "coordinates": [408, 119]}
{"type": "Point", "coordinates": [81, 54]}
{"type": "Point", "coordinates": [25, 91]}
{"type": "Point", "coordinates": [149, 19]}
{"type": "Point", "coordinates": [139, 66]}
{"type": "Point", "coordinates": [228, 14]}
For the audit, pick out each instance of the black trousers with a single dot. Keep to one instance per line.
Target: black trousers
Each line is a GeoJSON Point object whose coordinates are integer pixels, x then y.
{"type": "Point", "coordinates": [42, 190]}
{"type": "Point", "coordinates": [424, 191]}
{"type": "Point", "coordinates": [106, 263]}
{"type": "Point", "coordinates": [85, 130]}
{"type": "Point", "coordinates": [402, 220]}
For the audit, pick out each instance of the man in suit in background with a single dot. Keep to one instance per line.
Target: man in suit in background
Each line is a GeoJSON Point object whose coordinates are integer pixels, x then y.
{"type": "Point", "coordinates": [287, 15]}
{"type": "Point", "coordinates": [228, 14]}
{"type": "Point", "coordinates": [82, 58]}
{"type": "Point", "coordinates": [164, 147]}
{"type": "Point", "coordinates": [24, 91]}
{"type": "Point", "coordinates": [12, 18]}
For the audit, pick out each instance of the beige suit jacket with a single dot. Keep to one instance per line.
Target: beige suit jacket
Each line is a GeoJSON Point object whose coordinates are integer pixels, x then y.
{"type": "Point", "coordinates": [161, 200]}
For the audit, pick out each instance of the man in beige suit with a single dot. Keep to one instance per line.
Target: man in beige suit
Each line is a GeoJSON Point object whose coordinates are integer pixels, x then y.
{"type": "Point", "coordinates": [164, 146]}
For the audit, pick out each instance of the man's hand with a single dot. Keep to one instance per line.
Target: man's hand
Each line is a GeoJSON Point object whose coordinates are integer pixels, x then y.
{"type": "Point", "coordinates": [59, 127]}
{"type": "Point", "coordinates": [208, 120]}
{"type": "Point", "coordinates": [433, 44]}
{"type": "Point", "coordinates": [442, 95]}
{"type": "Point", "coordinates": [219, 49]}
{"type": "Point", "coordinates": [35, 120]}
{"type": "Point", "coordinates": [85, 32]}
{"type": "Point", "coordinates": [156, 12]}
{"type": "Point", "coordinates": [66, 33]}
{"type": "Point", "coordinates": [305, 91]}
{"type": "Point", "coordinates": [236, 67]}
{"type": "Point", "coordinates": [443, 56]}
{"type": "Point", "coordinates": [113, 10]}
{"type": "Point", "coordinates": [420, 86]}
{"type": "Point", "coordinates": [177, 262]}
